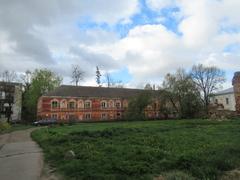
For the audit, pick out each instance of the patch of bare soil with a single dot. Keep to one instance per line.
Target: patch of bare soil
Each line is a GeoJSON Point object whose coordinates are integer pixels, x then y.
{"type": "Point", "coordinates": [231, 175]}
{"type": "Point", "coordinates": [49, 173]}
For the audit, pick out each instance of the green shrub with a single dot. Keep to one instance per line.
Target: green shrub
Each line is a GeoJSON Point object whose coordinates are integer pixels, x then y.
{"type": "Point", "coordinates": [4, 126]}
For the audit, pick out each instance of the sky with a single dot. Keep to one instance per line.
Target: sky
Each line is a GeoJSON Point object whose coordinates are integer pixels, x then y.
{"type": "Point", "coordinates": [136, 41]}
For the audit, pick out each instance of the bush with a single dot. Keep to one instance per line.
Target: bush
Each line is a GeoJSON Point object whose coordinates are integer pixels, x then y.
{"type": "Point", "coordinates": [4, 126]}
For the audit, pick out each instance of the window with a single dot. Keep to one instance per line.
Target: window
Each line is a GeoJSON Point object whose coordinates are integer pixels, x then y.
{"type": "Point", "coordinates": [227, 101]}
{"type": "Point", "coordinates": [118, 105]}
{"type": "Point", "coordinates": [2, 95]}
{"type": "Point", "coordinates": [103, 104]}
{"type": "Point", "coordinates": [118, 115]}
{"type": "Point", "coordinates": [125, 103]}
{"type": "Point", "coordinates": [87, 116]}
{"type": "Point", "coordinates": [104, 116]}
{"type": "Point", "coordinates": [155, 106]}
{"type": "Point", "coordinates": [63, 104]}
{"type": "Point", "coordinates": [72, 117]}
{"type": "Point", "coordinates": [54, 104]}
{"type": "Point", "coordinates": [149, 107]}
{"type": "Point", "coordinates": [1, 108]}
{"type": "Point", "coordinates": [87, 105]}
{"type": "Point", "coordinates": [111, 104]}
{"type": "Point", "coordinates": [71, 105]}
{"type": "Point", "coordinates": [216, 101]}
{"type": "Point", "coordinates": [80, 104]}
{"type": "Point", "coordinates": [54, 116]}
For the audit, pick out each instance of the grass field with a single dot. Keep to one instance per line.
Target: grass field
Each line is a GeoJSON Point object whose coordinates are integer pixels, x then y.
{"type": "Point", "coordinates": [186, 149]}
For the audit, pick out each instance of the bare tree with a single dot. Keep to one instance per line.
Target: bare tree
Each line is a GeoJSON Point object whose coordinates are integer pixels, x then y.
{"type": "Point", "coordinates": [112, 82]}
{"type": "Point", "coordinates": [8, 76]}
{"type": "Point", "coordinates": [77, 74]}
{"type": "Point", "coordinates": [26, 79]}
{"type": "Point", "coordinates": [109, 80]}
{"type": "Point", "coordinates": [119, 84]}
{"type": "Point", "coordinates": [207, 79]}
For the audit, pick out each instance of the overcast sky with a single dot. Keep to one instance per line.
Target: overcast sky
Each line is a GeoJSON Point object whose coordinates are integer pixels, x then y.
{"type": "Point", "coordinates": [137, 41]}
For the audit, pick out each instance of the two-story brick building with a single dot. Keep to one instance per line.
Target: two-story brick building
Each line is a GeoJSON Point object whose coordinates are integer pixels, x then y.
{"type": "Point", "coordinates": [88, 103]}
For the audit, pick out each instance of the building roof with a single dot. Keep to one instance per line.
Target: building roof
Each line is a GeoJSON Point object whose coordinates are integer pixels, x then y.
{"type": "Point", "coordinates": [226, 91]}
{"type": "Point", "coordinates": [9, 83]}
{"type": "Point", "coordinates": [88, 91]}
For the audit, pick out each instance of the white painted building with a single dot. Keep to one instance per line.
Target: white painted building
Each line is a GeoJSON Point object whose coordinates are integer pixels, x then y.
{"type": "Point", "coordinates": [225, 98]}
{"type": "Point", "coordinates": [10, 97]}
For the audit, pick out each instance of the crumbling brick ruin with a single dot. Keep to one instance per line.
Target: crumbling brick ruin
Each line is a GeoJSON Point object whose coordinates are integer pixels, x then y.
{"type": "Point", "coordinates": [236, 86]}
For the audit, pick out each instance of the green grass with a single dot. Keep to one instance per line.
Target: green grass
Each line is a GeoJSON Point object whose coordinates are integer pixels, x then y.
{"type": "Point", "coordinates": [186, 149]}
{"type": "Point", "coordinates": [15, 127]}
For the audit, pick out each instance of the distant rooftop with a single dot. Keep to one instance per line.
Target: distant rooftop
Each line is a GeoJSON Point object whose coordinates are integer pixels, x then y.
{"type": "Point", "coordinates": [88, 91]}
{"type": "Point", "coordinates": [226, 91]}
{"type": "Point", "coordinates": [9, 83]}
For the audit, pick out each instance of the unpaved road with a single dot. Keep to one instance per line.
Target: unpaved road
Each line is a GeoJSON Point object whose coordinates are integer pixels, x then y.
{"type": "Point", "coordinates": [20, 157]}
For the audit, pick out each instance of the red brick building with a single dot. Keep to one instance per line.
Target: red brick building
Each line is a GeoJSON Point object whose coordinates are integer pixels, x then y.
{"type": "Point", "coordinates": [88, 103]}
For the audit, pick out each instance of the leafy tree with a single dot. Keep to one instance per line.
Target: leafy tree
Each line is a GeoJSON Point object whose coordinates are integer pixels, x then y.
{"type": "Point", "coordinates": [207, 79]}
{"type": "Point", "coordinates": [182, 93]}
{"type": "Point", "coordinates": [77, 74]}
{"type": "Point", "coordinates": [137, 105]}
{"type": "Point", "coordinates": [42, 81]}
{"type": "Point", "coordinates": [98, 76]}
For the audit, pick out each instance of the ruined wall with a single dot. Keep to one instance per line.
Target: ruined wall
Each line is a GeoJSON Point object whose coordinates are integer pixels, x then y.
{"type": "Point", "coordinates": [236, 86]}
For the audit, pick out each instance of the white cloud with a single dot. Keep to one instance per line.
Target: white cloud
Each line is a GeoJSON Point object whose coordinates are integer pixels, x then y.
{"type": "Point", "coordinates": [47, 34]}
{"type": "Point", "coordinates": [160, 4]}
{"type": "Point", "coordinates": [36, 34]}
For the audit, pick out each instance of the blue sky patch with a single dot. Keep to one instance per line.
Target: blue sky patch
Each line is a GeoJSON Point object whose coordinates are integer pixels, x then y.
{"type": "Point", "coordinates": [233, 48]}
{"type": "Point", "coordinates": [122, 75]}
{"type": "Point", "coordinates": [146, 15]}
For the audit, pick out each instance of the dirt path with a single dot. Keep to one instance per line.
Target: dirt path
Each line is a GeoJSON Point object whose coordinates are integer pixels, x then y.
{"type": "Point", "coordinates": [20, 157]}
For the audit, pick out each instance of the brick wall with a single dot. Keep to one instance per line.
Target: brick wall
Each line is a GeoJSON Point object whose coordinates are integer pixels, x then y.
{"type": "Point", "coordinates": [236, 86]}
{"type": "Point", "coordinates": [62, 110]}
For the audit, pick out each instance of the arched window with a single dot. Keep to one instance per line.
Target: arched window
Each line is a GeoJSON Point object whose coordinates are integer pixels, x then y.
{"type": "Point", "coordinates": [71, 104]}
{"type": "Point", "coordinates": [87, 104]}
{"type": "Point", "coordinates": [118, 104]}
{"type": "Point", "coordinates": [54, 104]}
{"type": "Point", "coordinates": [111, 104]}
{"type": "Point", "coordinates": [103, 104]}
{"type": "Point", "coordinates": [80, 104]}
{"type": "Point", "coordinates": [63, 104]}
